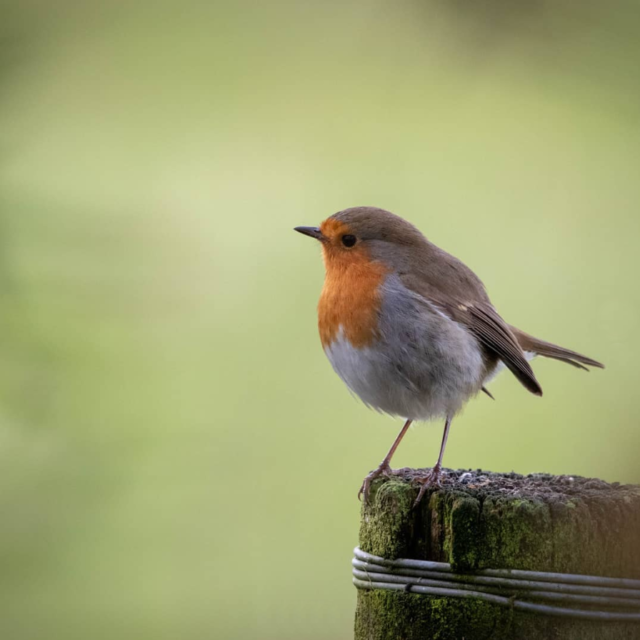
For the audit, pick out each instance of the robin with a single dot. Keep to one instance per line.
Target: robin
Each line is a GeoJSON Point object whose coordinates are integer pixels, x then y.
{"type": "Point", "coordinates": [410, 329]}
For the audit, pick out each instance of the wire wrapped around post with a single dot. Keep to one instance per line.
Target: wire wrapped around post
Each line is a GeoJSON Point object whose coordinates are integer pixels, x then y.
{"type": "Point", "coordinates": [510, 588]}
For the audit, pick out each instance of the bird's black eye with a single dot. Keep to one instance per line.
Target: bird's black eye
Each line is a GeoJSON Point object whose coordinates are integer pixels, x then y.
{"type": "Point", "coordinates": [348, 240]}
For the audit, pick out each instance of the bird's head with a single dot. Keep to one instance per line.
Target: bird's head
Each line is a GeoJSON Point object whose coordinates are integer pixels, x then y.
{"type": "Point", "coordinates": [364, 233]}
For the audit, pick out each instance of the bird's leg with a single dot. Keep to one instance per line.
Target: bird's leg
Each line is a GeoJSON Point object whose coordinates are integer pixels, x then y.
{"type": "Point", "coordinates": [434, 474]}
{"type": "Point", "coordinates": [384, 467]}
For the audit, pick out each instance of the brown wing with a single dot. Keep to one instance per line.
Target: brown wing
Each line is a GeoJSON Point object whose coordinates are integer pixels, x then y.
{"type": "Point", "coordinates": [492, 331]}
{"type": "Point", "coordinates": [454, 288]}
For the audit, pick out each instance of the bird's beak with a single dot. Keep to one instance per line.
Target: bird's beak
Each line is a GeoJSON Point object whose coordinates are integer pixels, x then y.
{"type": "Point", "coordinates": [314, 232]}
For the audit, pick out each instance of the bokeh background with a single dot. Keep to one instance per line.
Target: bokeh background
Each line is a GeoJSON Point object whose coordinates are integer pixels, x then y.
{"type": "Point", "coordinates": [177, 459]}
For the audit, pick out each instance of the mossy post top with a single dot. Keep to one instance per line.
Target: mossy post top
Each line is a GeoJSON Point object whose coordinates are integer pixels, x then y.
{"type": "Point", "coordinates": [481, 520]}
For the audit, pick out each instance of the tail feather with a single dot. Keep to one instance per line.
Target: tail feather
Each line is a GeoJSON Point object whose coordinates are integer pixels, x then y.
{"type": "Point", "coordinates": [549, 350]}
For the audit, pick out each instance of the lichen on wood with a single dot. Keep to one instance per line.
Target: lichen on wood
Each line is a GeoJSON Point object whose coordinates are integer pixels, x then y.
{"type": "Point", "coordinates": [483, 520]}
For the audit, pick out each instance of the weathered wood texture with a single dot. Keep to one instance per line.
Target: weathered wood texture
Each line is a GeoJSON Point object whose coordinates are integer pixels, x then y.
{"type": "Point", "coordinates": [483, 520]}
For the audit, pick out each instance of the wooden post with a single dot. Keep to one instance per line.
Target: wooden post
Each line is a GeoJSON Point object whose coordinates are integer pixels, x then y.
{"type": "Point", "coordinates": [481, 520]}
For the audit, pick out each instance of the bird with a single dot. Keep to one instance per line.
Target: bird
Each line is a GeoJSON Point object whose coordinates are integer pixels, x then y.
{"type": "Point", "coordinates": [410, 329]}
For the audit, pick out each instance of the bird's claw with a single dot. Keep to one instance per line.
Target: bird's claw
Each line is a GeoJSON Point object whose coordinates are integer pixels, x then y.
{"type": "Point", "coordinates": [383, 470]}
{"type": "Point", "coordinates": [432, 479]}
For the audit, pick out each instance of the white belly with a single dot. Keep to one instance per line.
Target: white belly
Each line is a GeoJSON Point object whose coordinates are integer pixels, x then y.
{"type": "Point", "coordinates": [407, 382]}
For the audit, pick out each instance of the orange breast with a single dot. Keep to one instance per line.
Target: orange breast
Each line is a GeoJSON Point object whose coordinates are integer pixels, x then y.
{"type": "Point", "coordinates": [350, 297]}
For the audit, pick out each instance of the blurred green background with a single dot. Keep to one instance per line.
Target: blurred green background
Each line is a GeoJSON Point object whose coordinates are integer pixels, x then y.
{"type": "Point", "coordinates": [177, 458]}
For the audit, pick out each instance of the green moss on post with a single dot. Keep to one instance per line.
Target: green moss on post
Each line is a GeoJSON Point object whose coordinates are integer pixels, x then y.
{"type": "Point", "coordinates": [484, 520]}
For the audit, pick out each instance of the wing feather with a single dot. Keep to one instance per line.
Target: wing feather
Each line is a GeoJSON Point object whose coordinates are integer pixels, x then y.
{"type": "Point", "coordinates": [483, 320]}
{"type": "Point", "coordinates": [458, 292]}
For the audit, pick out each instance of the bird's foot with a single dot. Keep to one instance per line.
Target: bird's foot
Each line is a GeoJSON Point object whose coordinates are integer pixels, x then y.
{"type": "Point", "coordinates": [383, 470]}
{"type": "Point", "coordinates": [432, 479]}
